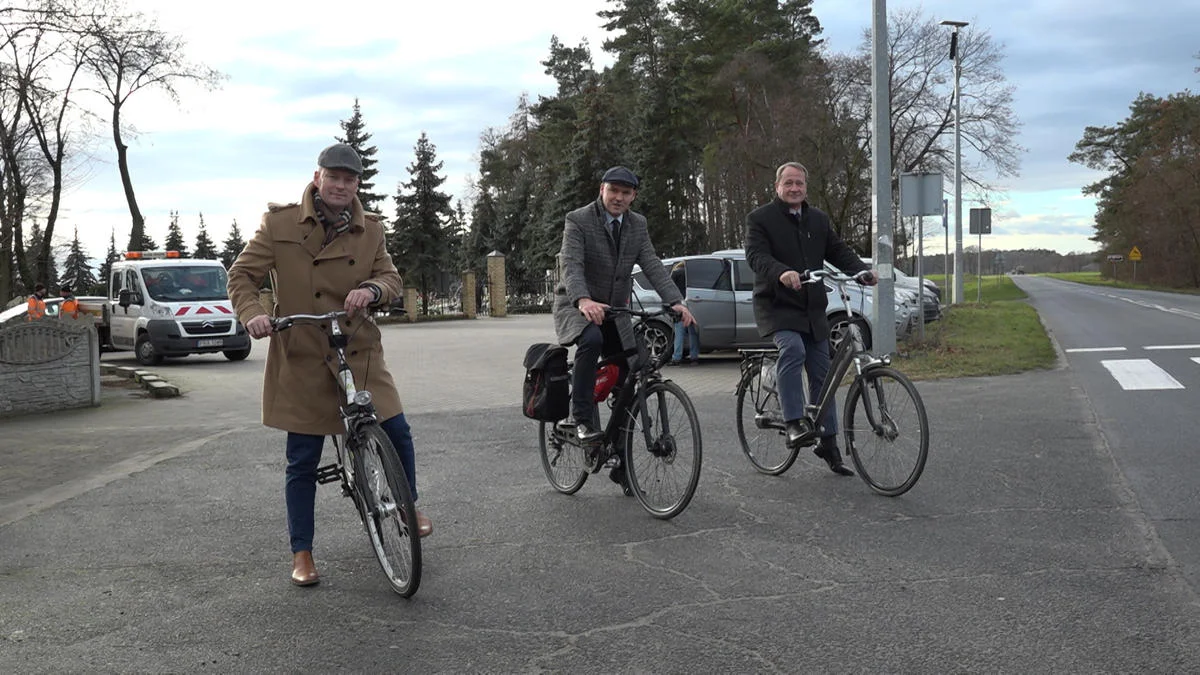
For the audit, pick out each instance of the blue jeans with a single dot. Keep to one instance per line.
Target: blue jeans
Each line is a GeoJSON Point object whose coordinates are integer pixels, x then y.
{"type": "Point", "coordinates": [693, 335]}
{"type": "Point", "coordinates": [300, 485]}
{"type": "Point", "coordinates": [799, 351]}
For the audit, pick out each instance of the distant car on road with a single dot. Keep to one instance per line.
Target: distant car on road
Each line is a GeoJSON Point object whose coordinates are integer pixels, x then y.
{"type": "Point", "coordinates": [720, 296]}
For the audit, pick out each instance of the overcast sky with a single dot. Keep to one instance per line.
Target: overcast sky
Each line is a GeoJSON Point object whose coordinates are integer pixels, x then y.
{"type": "Point", "coordinates": [456, 67]}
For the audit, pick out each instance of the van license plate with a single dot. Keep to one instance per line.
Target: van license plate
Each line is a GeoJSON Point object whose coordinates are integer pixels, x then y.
{"type": "Point", "coordinates": [210, 343]}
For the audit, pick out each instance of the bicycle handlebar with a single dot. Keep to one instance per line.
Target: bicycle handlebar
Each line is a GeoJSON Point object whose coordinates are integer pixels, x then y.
{"type": "Point", "coordinates": [819, 276]}
{"type": "Point", "coordinates": [284, 322]}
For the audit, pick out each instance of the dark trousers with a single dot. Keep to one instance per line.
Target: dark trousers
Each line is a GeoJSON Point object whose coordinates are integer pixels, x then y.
{"type": "Point", "coordinates": [593, 343]}
{"type": "Point", "coordinates": [799, 352]}
{"type": "Point", "coordinates": [300, 485]}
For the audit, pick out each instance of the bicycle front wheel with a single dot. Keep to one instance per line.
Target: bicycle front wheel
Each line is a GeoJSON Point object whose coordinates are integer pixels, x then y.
{"type": "Point", "coordinates": [760, 425]}
{"type": "Point", "coordinates": [563, 462]}
{"type": "Point", "coordinates": [886, 430]}
{"type": "Point", "coordinates": [387, 506]}
{"type": "Point", "coordinates": [662, 458]}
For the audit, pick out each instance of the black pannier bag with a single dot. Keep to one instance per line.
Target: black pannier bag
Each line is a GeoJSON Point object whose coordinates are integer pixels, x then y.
{"type": "Point", "coordinates": [546, 395]}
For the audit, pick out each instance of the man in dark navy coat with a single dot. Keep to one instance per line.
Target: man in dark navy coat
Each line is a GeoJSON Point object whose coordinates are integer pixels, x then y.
{"type": "Point", "coordinates": [785, 239]}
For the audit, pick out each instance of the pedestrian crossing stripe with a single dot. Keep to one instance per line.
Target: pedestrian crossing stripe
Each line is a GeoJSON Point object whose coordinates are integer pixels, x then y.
{"type": "Point", "coordinates": [1141, 374]}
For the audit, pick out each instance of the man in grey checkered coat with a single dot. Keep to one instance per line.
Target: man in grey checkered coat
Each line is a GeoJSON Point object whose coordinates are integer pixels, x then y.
{"type": "Point", "coordinates": [601, 242]}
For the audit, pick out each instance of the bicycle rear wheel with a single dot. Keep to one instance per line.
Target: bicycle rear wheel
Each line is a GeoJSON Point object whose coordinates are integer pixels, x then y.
{"type": "Point", "coordinates": [387, 508]}
{"type": "Point", "coordinates": [563, 462]}
{"type": "Point", "coordinates": [886, 430]}
{"type": "Point", "coordinates": [760, 425]}
{"type": "Point", "coordinates": [663, 472]}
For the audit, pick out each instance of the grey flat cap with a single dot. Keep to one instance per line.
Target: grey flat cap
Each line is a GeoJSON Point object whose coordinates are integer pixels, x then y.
{"type": "Point", "coordinates": [619, 174]}
{"type": "Point", "coordinates": [340, 156]}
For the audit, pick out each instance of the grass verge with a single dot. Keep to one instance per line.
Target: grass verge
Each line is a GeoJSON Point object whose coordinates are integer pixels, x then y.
{"type": "Point", "coordinates": [1001, 335]}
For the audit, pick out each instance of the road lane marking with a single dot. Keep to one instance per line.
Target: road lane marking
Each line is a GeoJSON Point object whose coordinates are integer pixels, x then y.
{"type": "Point", "coordinates": [1094, 349]}
{"type": "Point", "coordinates": [1153, 347]}
{"type": "Point", "coordinates": [1153, 305]}
{"type": "Point", "coordinates": [1140, 374]}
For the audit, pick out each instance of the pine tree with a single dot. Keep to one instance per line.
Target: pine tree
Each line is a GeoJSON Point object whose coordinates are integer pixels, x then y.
{"type": "Point", "coordinates": [205, 248]}
{"type": "Point", "coordinates": [101, 287]}
{"type": "Point", "coordinates": [233, 245]}
{"type": "Point", "coordinates": [175, 236]}
{"type": "Point", "coordinates": [357, 138]}
{"type": "Point", "coordinates": [44, 270]}
{"type": "Point", "coordinates": [420, 242]}
{"type": "Point", "coordinates": [77, 271]}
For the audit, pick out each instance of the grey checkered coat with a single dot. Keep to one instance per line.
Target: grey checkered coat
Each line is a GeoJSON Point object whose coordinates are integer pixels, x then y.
{"type": "Point", "coordinates": [594, 266]}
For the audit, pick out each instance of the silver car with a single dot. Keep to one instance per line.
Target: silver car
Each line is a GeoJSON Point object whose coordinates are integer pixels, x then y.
{"type": "Point", "coordinates": [720, 296]}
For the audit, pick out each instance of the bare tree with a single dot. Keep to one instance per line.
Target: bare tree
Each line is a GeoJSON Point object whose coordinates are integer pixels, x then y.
{"type": "Point", "coordinates": [35, 103]}
{"type": "Point", "coordinates": [922, 102]}
{"type": "Point", "coordinates": [128, 53]}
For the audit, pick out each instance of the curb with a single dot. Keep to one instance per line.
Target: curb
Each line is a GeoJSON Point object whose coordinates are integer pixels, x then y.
{"type": "Point", "coordinates": [154, 385]}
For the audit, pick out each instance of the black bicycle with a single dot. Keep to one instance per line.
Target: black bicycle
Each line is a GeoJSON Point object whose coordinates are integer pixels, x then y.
{"type": "Point", "coordinates": [369, 469]}
{"type": "Point", "coordinates": [884, 422]}
{"type": "Point", "coordinates": [664, 470]}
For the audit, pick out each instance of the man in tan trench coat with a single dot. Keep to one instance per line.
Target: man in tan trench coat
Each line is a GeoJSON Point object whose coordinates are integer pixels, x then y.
{"type": "Point", "coordinates": [324, 253]}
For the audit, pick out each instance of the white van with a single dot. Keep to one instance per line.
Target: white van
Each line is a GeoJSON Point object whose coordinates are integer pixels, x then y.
{"type": "Point", "coordinates": [161, 305]}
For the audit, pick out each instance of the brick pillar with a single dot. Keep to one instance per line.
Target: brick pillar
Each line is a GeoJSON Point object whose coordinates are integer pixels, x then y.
{"type": "Point", "coordinates": [410, 303]}
{"type": "Point", "coordinates": [468, 294]}
{"type": "Point", "coordinates": [497, 287]}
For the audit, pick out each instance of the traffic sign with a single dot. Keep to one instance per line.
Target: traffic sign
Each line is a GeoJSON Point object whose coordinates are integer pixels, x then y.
{"type": "Point", "coordinates": [1116, 257]}
{"type": "Point", "coordinates": [981, 221]}
{"type": "Point", "coordinates": [1135, 255]}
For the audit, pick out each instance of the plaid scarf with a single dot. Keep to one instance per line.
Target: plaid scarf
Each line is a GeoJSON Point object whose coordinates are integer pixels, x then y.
{"type": "Point", "coordinates": [334, 223]}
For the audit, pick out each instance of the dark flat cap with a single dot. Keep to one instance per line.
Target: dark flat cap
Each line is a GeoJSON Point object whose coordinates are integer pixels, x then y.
{"type": "Point", "coordinates": [619, 174]}
{"type": "Point", "coordinates": [340, 156]}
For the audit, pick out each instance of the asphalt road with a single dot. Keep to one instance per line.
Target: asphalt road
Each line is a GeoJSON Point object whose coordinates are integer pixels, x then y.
{"type": "Point", "coordinates": [149, 536]}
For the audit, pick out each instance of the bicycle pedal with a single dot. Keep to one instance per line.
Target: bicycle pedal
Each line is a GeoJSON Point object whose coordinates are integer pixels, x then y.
{"type": "Point", "coordinates": [328, 473]}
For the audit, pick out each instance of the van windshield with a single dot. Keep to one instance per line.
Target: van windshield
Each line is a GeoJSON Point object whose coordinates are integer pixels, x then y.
{"type": "Point", "coordinates": [177, 283]}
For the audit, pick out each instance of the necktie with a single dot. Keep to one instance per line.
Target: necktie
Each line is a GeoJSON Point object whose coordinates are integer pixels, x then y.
{"type": "Point", "coordinates": [614, 228]}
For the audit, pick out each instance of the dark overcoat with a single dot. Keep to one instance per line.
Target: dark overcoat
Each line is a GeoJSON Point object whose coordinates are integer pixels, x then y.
{"type": "Point", "coordinates": [776, 242]}
{"type": "Point", "coordinates": [594, 265]}
{"type": "Point", "coordinates": [300, 393]}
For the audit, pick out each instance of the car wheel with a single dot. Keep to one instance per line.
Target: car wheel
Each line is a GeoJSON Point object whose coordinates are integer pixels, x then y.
{"type": "Point", "coordinates": [837, 330]}
{"type": "Point", "coordinates": [145, 352]}
{"type": "Point", "coordinates": [659, 339]}
{"type": "Point", "coordinates": [237, 354]}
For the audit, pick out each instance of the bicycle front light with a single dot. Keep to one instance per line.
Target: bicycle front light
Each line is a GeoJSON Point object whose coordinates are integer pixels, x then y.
{"type": "Point", "coordinates": [362, 398]}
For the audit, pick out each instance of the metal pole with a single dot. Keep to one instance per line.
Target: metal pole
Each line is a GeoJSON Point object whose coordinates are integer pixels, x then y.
{"type": "Point", "coordinates": [949, 281]}
{"type": "Point", "coordinates": [883, 308]}
{"type": "Point", "coordinates": [979, 269]}
{"type": "Point", "coordinates": [921, 273]}
{"type": "Point", "coordinates": [958, 243]}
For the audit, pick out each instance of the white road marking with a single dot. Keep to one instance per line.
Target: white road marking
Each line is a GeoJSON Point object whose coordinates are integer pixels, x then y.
{"type": "Point", "coordinates": [1094, 349]}
{"type": "Point", "coordinates": [1140, 374]}
{"type": "Point", "coordinates": [1196, 359]}
{"type": "Point", "coordinates": [1152, 347]}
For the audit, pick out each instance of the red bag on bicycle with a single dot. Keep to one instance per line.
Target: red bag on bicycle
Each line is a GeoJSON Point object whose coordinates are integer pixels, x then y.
{"type": "Point", "coordinates": [546, 394]}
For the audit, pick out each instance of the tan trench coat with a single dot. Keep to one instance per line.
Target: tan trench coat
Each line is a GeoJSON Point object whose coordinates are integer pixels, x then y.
{"type": "Point", "coordinates": [300, 393]}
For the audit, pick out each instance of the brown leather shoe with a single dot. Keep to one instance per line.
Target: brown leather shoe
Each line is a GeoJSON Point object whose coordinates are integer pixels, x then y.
{"type": "Point", "coordinates": [424, 525]}
{"type": "Point", "coordinates": [304, 570]}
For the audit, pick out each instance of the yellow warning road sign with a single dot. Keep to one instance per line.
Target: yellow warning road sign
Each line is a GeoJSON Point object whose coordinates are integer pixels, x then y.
{"type": "Point", "coordinates": [1135, 255]}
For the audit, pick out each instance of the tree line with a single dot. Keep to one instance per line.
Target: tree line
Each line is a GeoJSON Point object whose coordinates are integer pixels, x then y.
{"type": "Point", "coordinates": [1149, 197]}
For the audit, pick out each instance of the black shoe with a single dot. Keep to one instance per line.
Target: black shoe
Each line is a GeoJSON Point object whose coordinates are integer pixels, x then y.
{"type": "Point", "coordinates": [674, 363]}
{"type": "Point", "coordinates": [617, 475]}
{"type": "Point", "coordinates": [833, 457]}
{"type": "Point", "coordinates": [799, 433]}
{"type": "Point", "coordinates": [694, 362]}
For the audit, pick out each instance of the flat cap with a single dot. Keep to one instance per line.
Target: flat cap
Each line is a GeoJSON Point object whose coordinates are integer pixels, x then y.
{"type": "Point", "coordinates": [619, 174]}
{"type": "Point", "coordinates": [340, 156]}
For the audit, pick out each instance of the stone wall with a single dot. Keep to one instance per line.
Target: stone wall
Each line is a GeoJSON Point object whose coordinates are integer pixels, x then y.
{"type": "Point", "coordinates": [48, 365]}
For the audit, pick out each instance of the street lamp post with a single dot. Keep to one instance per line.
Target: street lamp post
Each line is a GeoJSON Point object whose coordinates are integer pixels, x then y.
{"type": "Point", "coordinates": [957, 295]}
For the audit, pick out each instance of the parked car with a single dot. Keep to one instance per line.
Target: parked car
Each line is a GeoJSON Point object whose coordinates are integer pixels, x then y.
{"type": "Point", "coordinates": [719, 294]}
{"type": "Point", "coordinates": [910, 284]}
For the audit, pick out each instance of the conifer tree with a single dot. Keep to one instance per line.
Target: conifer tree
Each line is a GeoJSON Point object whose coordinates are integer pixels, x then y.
{"type": "Point", "coordinates": [101, 287]}
{"type": "Point", "coordinates": [175, 236]}
{"type": "Point", "coordinates": [420, 241]}
{"type": "Point", "coordinates": [205, 248]}
{"type": "Point", "coordinates": [77, 271]}
{"type": "Point", "coordinates": [45, 270]}
{"type": "Point", "coordinates": [233, 245]}
{"type": "Point", "coordinates": [356, 137]}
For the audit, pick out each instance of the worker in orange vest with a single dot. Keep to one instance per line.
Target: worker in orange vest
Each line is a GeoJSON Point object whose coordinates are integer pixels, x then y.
{"type": "Point", "coordinates": [70, 306]}
{"type": "Point", "coordinates": [37, 303]}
